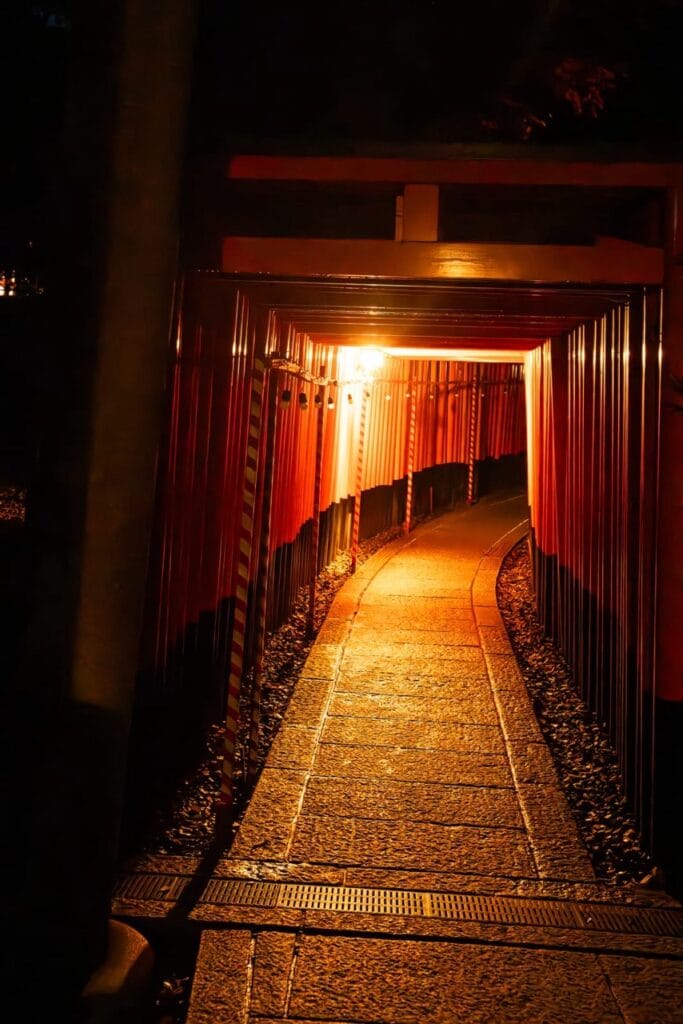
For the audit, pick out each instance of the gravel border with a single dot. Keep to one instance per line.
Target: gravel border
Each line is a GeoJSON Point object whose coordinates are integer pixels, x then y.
{"type": "Point", "coordinates": [584, 759]}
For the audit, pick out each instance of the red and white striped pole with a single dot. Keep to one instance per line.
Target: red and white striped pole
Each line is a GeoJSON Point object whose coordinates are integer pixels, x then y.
{"type": "Point", "coordinates": [412, 409]}
{"type": "Point", "coordinates": [262, 575]}
{"type": "Point", "coordinates": [359, 479]}
{"type": "Point", "coordinates": [237, 647]}
{"type": "Point", "coordinates": [317, 487]}
{"type": "Point", "coordinates": [472, 438]}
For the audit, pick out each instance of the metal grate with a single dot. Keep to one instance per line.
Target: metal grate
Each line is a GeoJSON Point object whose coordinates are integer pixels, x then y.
{"type": "Point", "coordinates": [408, 903]}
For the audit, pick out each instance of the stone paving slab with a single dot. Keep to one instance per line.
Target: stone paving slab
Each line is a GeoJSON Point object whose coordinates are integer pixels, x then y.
{"type": "Point", "coordinates": [465, 710]}
{"type": "Point", "coordinates": [646, 991]}
{"type": "Point", "coordinates": [438, 804]}
{"type": "Point", "coordinates": [461, 681]}
{"type": "Point", "coordinates": [266, 830]}
{"type": "Point", "coordinates": [409, 982]}
{"type": "Point", "coordinates": [415, 735]}
{"type": "Point", "coordinates": [272, 959]}
{"type": "Point", "coordinates": [437, 615]}
{"type": "Point", "coordinates": [460, 634]}
{"type": "Point", "coordinates": [472, 670]}
{"type": "Point", "coordinates": [308, 701]}
{"type": "Point", "coordinates": [416, 654]}
{"type": "Point", "coordinates": [219, 989]}
{"type": "Point", "coordinates": [356, 762]}
{"type": "Point", "coordinates": [456, 599]}
{"type": "Point", "coordinates": [409, 844]}
{"type": "Point", "coordinates": [554, 837]}
{"type": "Point", "coordinates": [293, 747]}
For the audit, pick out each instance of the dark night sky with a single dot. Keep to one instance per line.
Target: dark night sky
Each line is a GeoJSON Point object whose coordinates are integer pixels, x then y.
{"type": "Point", "coordinates": [405, 71]}
{"type": "Point", "coordinates": [432, 69]}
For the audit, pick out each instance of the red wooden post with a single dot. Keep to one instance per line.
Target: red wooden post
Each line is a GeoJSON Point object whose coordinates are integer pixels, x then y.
{"type": "Point", "coordinates": [410, 460]}
{"type": "Point", "coordinates": [317, 485]}
{"type": "Point", "coordinates": [262, 574]}
{"type": "Point", "coordinates": [472, 438]}
{"type": "Point", "coordinates": [245, 534]}
{"type": "Point", "coordinates": [359, 479]}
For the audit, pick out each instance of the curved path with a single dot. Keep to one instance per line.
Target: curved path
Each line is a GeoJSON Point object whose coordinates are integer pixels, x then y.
{"type": "Point", "coordinates": [408, 854]}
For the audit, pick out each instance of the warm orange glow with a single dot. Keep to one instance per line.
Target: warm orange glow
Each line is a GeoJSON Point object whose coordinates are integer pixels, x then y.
{"type": "Point", "coordinates": [462, 355]}
{"type": "Point", "coordinates": [368, 361]}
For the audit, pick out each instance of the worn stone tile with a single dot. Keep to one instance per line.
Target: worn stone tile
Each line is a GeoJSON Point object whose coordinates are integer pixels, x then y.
{"type": "Point", "coordinates": [401, 844]}
{"type": "Point", "coordinates": [487, 616]}
{"type": "Point", "coordinates": [437, 616]}
{"type": "Point", "coordinates": [532, 763]}
{"type": "Point", "coordinates": [489, 932]}
{"type": "Point", "coordinates": [505, 675]}
{"type": "Point", "coordinates": [343, 606]}
{"type": "Point", "coordinates": [293, 747]}
{"type": "Point", "coordinates": [273, 956]}
{"type": "Point", "coordinates": [279, 871]}
{"type": "Point", "coordinates": [388, 732]}
{"type": "Point", "coordinates": [494, 640]}
{"type": "Point", "coordinates": [412, 801]}
{"type": "Point", "coordinates": [557, 846]}
{"type": "Point", "coordinates": [333, 631]}
{"type": "Point", "coordinates": [517, 717]}
{"type": "Point", "coordinates": [647, 991]}
{"type": "Point", "coordinates": [444, 766]}
{"type": "Point", "coordinates": [481, 711]}
{"type": "Point", "coordinates": [458, 682]}
{"type": "Point", "coordinates": [409, 982]}
{"type": "Point", "coordinates": [161, 864]}
{"type": "Point", "coordinates": [402, 585]}
{"type": "Point", "coordinates": [484, 590]}
{"type": "Point", "coordinates": [456, 599]}
{"type": "Point", "coordinates": [219, 988]}
{"type": "Point", "coordinates": [264, 834]}
{"type": "Point", "coordinates": [413, 655]}
{"type": "Point", "coordinates": [323, 661]}
{"type": "Point", "coordinates": [308, 701]}
{"type": "Point", "coordinates": [415, 670]}
{"type": "Point", "coordinates": [246, 916]}
{"type": "Point", "coordinates": [459, 634]}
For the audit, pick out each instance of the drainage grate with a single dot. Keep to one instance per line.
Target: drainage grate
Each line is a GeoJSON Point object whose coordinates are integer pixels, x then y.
{"type": "Point", "coordinates": [408, 903]}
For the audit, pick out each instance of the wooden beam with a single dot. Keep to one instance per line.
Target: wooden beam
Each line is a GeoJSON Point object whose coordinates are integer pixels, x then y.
{"type": "Point", "coordinates": [610, 262]}
{"type": "Point", "coordinates": [482, 171]}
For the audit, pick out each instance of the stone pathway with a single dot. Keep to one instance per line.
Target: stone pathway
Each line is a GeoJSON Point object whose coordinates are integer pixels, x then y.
{"type": "Point", "coordinates": [408, 854]}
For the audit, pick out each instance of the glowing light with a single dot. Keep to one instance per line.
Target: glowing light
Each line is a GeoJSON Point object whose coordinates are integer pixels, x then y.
{"type": "Point", "coordinates": [462, 354]}
{"type": "Point", "coordinates": [368, 361]}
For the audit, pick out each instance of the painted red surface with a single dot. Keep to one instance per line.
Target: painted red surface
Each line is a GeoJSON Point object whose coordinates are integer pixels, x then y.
{"type": "Point", "coordinates": [195, 556]}
{"type": "Point", "coordinates": [593, 407]}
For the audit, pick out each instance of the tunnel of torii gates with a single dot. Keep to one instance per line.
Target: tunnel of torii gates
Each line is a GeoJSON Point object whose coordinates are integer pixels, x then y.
{"type": "Point", "coordinates": [309, 410]}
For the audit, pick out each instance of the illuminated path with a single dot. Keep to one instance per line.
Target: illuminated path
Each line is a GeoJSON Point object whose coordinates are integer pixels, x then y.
{"type": "Point", "coordinates": [408, 854]}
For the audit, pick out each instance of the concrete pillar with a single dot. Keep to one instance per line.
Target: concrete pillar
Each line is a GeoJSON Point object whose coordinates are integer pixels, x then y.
{"type": "Point", "coordinates": [100, 382]}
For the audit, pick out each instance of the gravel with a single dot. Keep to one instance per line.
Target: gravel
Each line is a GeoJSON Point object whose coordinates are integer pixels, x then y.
{"type": "Point", "coordinates": [584, 759]}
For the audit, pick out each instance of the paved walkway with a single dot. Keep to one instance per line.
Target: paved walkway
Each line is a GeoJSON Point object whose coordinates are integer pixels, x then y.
{"type": "Point", "coordinates": [408, 855]}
